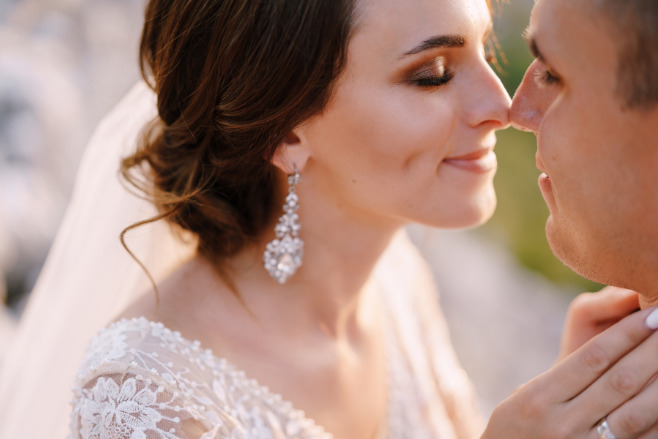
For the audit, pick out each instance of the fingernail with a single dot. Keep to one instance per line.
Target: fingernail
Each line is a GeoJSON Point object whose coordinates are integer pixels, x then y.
{"type": "Point", "coordinates": [652, 320]}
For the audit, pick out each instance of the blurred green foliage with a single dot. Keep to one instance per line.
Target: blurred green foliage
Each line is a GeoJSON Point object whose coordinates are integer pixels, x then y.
{"type": "Point", "coordinates": [521, 214]}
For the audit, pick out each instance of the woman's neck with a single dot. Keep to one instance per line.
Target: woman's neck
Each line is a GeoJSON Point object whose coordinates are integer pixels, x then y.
{"type": "Point", "coordinates": [329, 290]}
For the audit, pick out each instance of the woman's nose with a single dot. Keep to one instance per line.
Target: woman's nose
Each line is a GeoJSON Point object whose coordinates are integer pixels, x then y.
{"type": "Point", "coordinates": [492, 103]}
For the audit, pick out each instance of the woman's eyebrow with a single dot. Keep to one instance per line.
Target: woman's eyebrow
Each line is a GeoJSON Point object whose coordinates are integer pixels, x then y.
{"type": "Point", "coordinates": [439, 41]}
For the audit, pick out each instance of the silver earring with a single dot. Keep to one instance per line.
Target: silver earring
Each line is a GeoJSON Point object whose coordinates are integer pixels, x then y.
{"type": "Point", "coordinates": [283, 255]}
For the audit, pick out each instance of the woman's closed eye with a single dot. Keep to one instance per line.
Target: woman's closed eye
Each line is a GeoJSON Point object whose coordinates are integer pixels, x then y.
{"type": "Point", "coordinates": [434, 74]}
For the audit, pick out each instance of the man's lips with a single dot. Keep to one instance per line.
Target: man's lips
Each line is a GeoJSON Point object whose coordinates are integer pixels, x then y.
{"type": "Point", "coordinates": [539, 163]}
{"type": "Point", "coordinates": [480, 161]}
{"type": "Point", "coordinates": [544, 180]}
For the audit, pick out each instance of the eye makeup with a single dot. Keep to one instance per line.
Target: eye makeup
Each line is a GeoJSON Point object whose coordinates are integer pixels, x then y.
{"type": "Point", "coordinates": [432, 74]}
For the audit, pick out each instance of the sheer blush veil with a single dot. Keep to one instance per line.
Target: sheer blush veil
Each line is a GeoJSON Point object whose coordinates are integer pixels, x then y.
{"type": "Point", "coordinates": [87, 279]}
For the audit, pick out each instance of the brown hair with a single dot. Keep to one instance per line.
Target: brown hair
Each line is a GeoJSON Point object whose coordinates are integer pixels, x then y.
{"type": "Point", "coordinates": [636, 28]}
{"type": "Point", "coordinates": [232, 78]}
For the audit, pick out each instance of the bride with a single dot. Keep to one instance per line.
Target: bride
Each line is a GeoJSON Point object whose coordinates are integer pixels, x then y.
{"type": "Point", "coordinates": [292, 142]}
{"type": "Point", "coordinates": [263, 106]}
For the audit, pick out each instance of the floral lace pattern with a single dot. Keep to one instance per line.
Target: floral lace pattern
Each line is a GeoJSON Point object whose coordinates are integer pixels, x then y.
{"type": "Point", "coordinates": [111, 412]}
{"type": "Point", "coordinates": [140, 380]}
{"type": "Point", "coordinates": [107, 346]}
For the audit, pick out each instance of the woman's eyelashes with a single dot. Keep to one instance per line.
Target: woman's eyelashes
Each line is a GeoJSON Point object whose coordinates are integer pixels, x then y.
{"type": "Point", "coordinates": [433, 74]}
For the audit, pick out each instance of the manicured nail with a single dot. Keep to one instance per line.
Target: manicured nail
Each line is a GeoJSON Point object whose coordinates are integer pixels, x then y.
{"type": "Point", "coordinates": [652, 320]}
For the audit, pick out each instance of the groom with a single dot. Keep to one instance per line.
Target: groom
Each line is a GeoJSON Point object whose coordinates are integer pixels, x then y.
{"type": "Point", "coordinates": [591, 98]}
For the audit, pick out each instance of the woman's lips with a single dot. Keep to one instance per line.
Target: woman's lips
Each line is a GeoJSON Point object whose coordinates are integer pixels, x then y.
{"type": "Point", "coordinates": [481, 161]}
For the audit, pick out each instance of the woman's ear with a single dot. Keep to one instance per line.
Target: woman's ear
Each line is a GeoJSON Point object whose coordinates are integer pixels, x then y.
{"type": "Point", "coordinates": [292, 152]}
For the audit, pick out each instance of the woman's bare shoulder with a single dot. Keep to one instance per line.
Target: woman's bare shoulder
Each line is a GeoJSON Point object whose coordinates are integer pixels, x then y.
{"type": "Point", "coordinates": [191, 301]}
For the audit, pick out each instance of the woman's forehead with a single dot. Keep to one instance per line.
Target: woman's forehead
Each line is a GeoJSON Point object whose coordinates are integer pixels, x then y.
{"type": "Point", "coordinates": [399, 25]}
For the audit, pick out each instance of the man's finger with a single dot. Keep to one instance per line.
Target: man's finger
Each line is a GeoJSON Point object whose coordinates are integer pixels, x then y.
{"type": "Point", "coordinates": [609, 304]}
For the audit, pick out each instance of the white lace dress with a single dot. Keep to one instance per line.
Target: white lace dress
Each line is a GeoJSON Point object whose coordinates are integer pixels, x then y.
{"type": "Point", "coordinates": [140, 380]}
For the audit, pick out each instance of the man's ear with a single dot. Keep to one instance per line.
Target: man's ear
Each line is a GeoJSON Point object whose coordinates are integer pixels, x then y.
{"type": "Point", "coordinates": [292, 152]}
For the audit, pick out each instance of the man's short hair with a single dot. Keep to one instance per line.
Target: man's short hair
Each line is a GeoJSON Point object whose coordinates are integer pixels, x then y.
{"type": "Point", "coordinates": [636, 23]}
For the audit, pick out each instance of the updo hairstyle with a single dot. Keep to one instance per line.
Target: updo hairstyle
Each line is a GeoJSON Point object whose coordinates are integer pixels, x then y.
{"type": "Point", "coordinates": [232, 78]}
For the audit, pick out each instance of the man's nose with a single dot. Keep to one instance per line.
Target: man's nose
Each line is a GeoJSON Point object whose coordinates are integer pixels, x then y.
{"type": "Point", "coordinates": [529, 102]}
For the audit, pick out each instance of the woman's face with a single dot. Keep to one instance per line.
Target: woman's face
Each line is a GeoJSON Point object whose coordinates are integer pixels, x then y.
{"type": "Point", "coordinates": [410, 130]}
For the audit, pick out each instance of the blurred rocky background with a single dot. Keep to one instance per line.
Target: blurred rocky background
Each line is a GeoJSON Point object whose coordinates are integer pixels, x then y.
{"type": "Point", "coordinates": [65, 63]}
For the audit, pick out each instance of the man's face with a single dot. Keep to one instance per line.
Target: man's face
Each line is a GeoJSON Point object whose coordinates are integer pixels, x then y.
{"type": "Point", "coordinates": [599, 158]}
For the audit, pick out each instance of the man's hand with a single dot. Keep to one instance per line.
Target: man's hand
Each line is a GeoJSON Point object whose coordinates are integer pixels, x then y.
{"type": "Point", "coordinates": [592, 313]}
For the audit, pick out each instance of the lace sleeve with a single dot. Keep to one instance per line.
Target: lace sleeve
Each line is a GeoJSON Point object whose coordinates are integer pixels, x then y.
{"type": "Point", "coordinates": [137, 381]}
{"type": "Point", "coordinates": [135, 404]}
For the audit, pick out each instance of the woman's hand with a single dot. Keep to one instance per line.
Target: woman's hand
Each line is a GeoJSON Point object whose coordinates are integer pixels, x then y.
{"type": "Point", "coordinates": [592, 313]}
{"type": "Point", "coordinates": [611, 376]}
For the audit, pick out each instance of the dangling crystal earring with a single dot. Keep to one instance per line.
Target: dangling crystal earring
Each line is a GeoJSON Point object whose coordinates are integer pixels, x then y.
{"type": "Point", "coordinates": [283, 255]}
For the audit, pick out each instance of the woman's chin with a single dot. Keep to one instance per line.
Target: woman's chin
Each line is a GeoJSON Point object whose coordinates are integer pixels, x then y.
{"type": "Point", "coordinates": [469, 216]}
{"type": "Point", "coordinates": [483, 218]}
{"type": "Point", "coordinates": [475, 221]}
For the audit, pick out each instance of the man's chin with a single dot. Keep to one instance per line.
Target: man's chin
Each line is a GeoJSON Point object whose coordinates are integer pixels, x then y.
{"type": "Point", "coordinates": [572, 252]}
{"type": "Point", "coordinates": [563, 245]}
